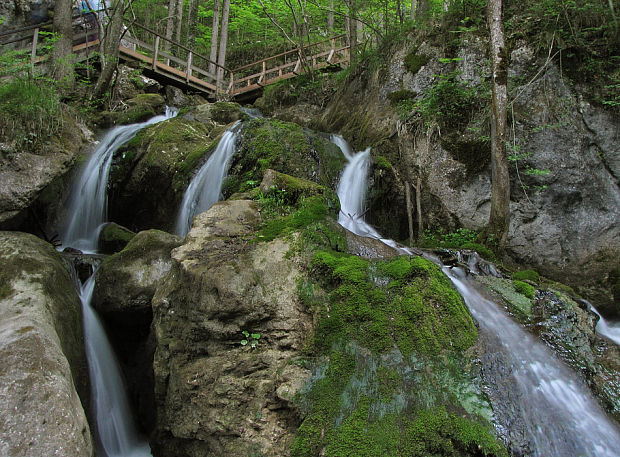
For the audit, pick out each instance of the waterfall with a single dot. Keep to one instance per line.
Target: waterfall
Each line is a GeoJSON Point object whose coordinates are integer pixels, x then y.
{"type": "Point", "coordinates": [205, 188]}
{"type": "Point", "coordinates": [561, 416]}
{"type": "Point", "coordinates": [117, 434]}
{"type": "Point", "coordinates": [87, 203]}
{"type": "Point", "coordinates": [610, 330]}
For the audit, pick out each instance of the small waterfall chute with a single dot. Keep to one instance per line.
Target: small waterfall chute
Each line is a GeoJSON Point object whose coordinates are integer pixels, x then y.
{"type": "Point", "coordinates": [86, 206]}
{"type": "Point", "coordinates": [206, 187]}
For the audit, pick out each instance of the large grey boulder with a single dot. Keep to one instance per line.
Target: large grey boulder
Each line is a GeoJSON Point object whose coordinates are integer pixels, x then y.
{"type": "Point", "coordinates": [42, 353]}
{"type": "Point", "coordinates": [216, 395]}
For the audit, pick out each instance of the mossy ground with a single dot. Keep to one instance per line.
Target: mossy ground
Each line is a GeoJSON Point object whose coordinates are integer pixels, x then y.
{"type": "Point", "coordinates": [393, 372]}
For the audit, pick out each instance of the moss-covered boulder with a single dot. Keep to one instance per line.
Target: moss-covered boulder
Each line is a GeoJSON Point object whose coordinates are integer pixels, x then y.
{"type": "Point", "coordinates": [137, 109]}
{"type": "Point", "coordinates": [150, 173]}
{"type": "Point", "coordinates": [219, 112]}
{"type": "Point", "coordinates": [42, 351]}
{"type": "Point", "coordinates": [114, 238]}
{"type": "Point", "coordinates": [287, 148]}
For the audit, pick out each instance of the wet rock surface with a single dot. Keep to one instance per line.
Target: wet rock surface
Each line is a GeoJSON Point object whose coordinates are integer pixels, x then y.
{"type": "Point", "coordinates": [42, 351]}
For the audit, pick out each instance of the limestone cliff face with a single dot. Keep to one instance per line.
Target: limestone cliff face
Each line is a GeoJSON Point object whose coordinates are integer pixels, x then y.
{"type": "Point", "coordinates": [565, 197]}
{"type": "Point", "coordinates": [216, 395]}
{"type": "Point", "coordinates": [42, 353]}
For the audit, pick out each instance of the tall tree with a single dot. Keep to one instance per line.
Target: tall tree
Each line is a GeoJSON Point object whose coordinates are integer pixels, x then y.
{"type": "Point", "coordinates": [330, 18]}
{"type": "Point", "coordinates": [179, 20]}
{"type": "Point", "coordinates": [221, 58]}
{"type": "Point", "coordinates": [414, 4]}
{"type": "Point", "coordinates": [62, 68]}
{"type": "Point", "coordinates": [169, 25]}
{"type": "Point", "coordinates": [214, 35]}
{"type": "Point", "coordinates": [192, 21]}
{"type": "Point", "coordinates": [499, 219]}
{"type": "Point", "coordinates": [111, 41]}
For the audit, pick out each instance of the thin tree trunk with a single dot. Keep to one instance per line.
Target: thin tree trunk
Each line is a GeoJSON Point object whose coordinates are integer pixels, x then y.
{"type": "Point", "coordinates": [169, 25]}
{"type": "Point", "coordinates": [330, 18]}
{"type": "Point", "coordinates": [221, 58]}
{"type": "Point", "coordinates": [414, 4]}
{"type": "Point", "coordinates": [409, 211]}
{"type": "Point", "coordinates": [109, 58]}
{"type": "Point", "coordinates": [215, 27]}
{"type": "Point", "coordinates": [418, 205]}
{"type": "Point", "coordinates": [352, 29]}
{"type": "Point", "coordinates": [192, 20]}
{"type": "Point", "coordinates": [399, 11]}
{"type": "Point", "coordinates": [62, 65]}
{"type": "Point", "coordinates": [422, 8]}
{"type": "Point", "coordinates": [499, 219]}
{"type": "Point", "coordinates": [179, 20]}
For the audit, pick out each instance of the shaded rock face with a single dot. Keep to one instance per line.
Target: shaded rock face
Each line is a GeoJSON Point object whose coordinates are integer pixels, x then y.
{"type": "Point", "coordinates": [216, 396]}
{"type": "Point", "coordinates": [150, 173]}
{"type": "Point", "coordinates": [37, 180]}
{"type": "Point", "coordinates": [125, 285]}
{"type": "Point", "coordinates": [564, 185]}
{"type": "Point", "coordinates": [42, 351]}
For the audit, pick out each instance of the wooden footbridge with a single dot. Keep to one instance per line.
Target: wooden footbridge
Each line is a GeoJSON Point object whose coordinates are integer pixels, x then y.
{"type": "Point", "coordinates": [168, 60]}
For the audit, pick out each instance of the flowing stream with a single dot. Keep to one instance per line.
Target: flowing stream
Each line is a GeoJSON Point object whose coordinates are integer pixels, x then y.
{"type": "Point", "coordinates": [86, 213]}
{"type": "Point", "coordinates": [205, 188]}
{"type": "Point", "coordinates": [87, 205]}
{"type": "Point", "coordinates": [559, 414]}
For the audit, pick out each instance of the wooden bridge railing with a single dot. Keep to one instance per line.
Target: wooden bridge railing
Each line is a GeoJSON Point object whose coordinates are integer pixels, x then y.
{"type": "Point", "coordinates": [288, 64]}
{"type": "Point", "coordinates": [167, 57]}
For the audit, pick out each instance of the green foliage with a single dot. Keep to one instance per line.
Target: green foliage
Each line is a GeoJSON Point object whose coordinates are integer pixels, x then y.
{"type": "Point", "coordinates": [450, 103]}
{"type": "Point", "coordinates": [402, 95]}
{"type": "Point", "coordinates": [525, 289]}
{"type": "Point", "coordinates": [30, 110]}
{"type": "Point", "coordinates": [526, 275]}
{"type": "Point", "coordinates": [438, 239]}
{"type": "Point", "coordinates": [415, 61]}
{"type": "Point", "coordinates": [250, 338]}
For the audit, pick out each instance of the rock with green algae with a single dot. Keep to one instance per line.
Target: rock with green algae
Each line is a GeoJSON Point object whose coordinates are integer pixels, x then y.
{"type": "Point", "coordinates": [287, 148]}
{"type": "Point", "coordinates": [126, 281]}
{"type": "Point", "coordinates": [114, 238]}
{"type": "Point", "coordinates": [150, 173]}
{"type": "Point", "coordinates": [137, 109]}
{"type": "Point", "coordinates": [42, 353]}
{"type": "Point", "coordinates": [396, 372]}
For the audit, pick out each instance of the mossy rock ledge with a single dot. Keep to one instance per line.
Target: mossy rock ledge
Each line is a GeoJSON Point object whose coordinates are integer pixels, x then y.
{"type": "Point", "coordinates": [284, 345]}
{"type": "Point", "coordinates": [150, 173]}
{"type": "Point", "coordinates": [42, 351]}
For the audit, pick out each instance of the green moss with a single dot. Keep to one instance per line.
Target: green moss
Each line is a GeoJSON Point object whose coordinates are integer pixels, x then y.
{"type": "Point", "coordinates": [526, 275]}
{"type": "Point", "coordinates": [518, 303]}
{"type": "Point", "coordinates": [525, 289]}
{"type": "Point", "coordinates": [382, 162]}
{"type": "Point", "coordinates": [415, 61]}
{"type": "Point", "coordinates": [400, 95]}
{"type": "Point", "coordinates": [484, 251]}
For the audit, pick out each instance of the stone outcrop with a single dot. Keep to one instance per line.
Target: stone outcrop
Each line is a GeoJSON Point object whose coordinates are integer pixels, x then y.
{"type": "Point", "coordinates": [216, 395]}
{"type": "Point", "coordinates": [36, 181]}
{"type": "Point", "coordinates": [42, 353]}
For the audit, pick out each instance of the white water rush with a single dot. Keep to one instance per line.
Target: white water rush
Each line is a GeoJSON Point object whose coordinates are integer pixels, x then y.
{"type": "Point", "coordinates": [117, 434]}
{"type": "Point", "coordinates": [561, 416]}
{"type": "Point", "coordinates": [206, 187]}
{"type": "Point", "coordinates": [87, 205]}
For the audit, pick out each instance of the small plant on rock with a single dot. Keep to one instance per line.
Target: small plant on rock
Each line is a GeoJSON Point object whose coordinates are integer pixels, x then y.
{"type": "Point", "coordinates": [250, 338]}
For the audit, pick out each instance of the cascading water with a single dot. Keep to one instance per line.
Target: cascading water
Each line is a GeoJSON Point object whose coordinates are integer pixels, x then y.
{"type": "Point", "coordinates": [206, 186]}
{"type": "Point", "coordinates": [610, 330]}
{"type": "Point", "coordinates": [117, 434]}
{"type": "Point", "coordinates": [86, 207]}
{"type": "Point", "coordinates": [85, 214]}
{"type": "Point", "coordinates": [560, 415]}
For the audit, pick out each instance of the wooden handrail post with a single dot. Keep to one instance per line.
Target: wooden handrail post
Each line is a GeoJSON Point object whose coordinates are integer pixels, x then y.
{"type": "Point", "coordinates": [189, 67]}
{"type": "Point", "coordinates": [231, 88]}
{"type": "Point", "coordinates": [156, 52]}
{"type": "Point", "coordinates": [33, 56]}
{"type": "Point", "coordinates": [262, 75]}
{"type": "Point", "coordinates": [332, 51]}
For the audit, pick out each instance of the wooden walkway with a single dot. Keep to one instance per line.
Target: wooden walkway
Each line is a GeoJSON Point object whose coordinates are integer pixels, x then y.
{"type": "Point", "coordinates": [173, 61]}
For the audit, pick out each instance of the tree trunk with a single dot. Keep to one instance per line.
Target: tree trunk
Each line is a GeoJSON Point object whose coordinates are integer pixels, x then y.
{"type": "Point", "coordinates": [179, 21]}
{"type": "Point", "coordinates": [62, 64]}
{"type": "Point", "coordinates": [414, 4]}
{"type": "Point", "coordinates": [221, 58]}
{"type": "Point", "coordinates": [215, 27]}
{"type": "Point", "coordinates": [418, 205]}
{"type": "Point", "coordinates": [192, 21]}
{"type": "Point", "coordinates": [109, 58]}
{"type": "Point", "coordinates": [409, 211]}
{"type": "Point", "coordinates": [330, 18]}
{"type": "Point", "coordinates": [169, 26]}
{"type": "Point", "coordinates": [352, 29]}
{"type": "Point", "coordinates": [422, 9]}
{"type": "Point", "coordinates": [499, 219]}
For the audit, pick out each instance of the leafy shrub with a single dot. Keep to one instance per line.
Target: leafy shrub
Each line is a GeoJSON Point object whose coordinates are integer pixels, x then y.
{"type": "Point", "coordinates": [400, 95]}
{"type": "Point", "coordinates": [526, 275]}
{"type": "Point", "coordinates": [525, 289]}
{"type": "Point", "coordinates": [30, 110]}
{"type": "Point", "coordinates": [415, 61]}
